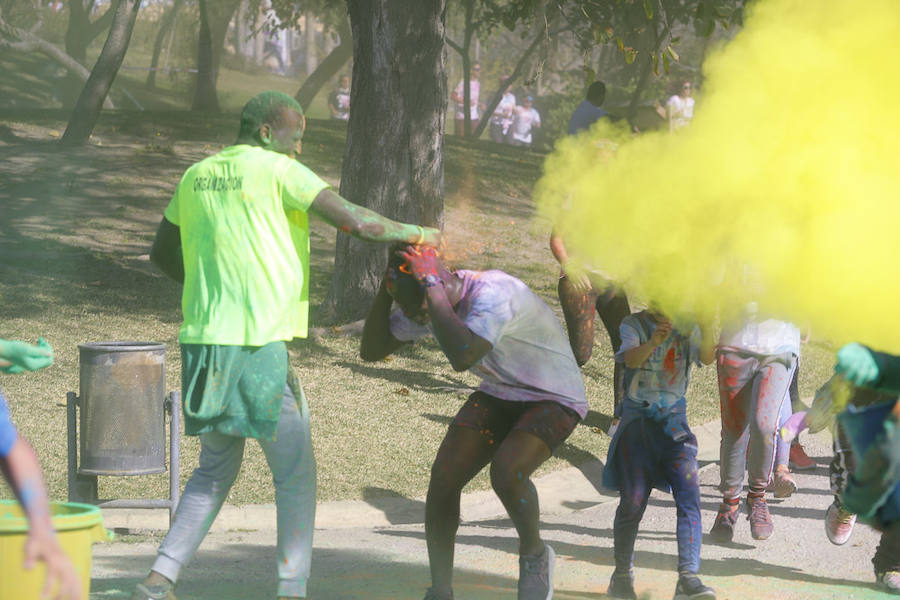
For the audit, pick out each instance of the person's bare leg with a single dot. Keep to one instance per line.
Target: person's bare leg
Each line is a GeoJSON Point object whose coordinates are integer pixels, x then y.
{"type": "Point", "coordinates": [516, 459]}
{"type": "Point", "coordinates": [463, 453]}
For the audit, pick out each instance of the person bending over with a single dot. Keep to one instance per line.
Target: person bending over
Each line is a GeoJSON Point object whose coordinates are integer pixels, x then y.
{"type": "Point", "coordinates": [530, 399]}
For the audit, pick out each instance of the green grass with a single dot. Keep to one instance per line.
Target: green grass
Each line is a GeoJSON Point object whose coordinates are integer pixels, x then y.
{"type": "Point", "coordinates": [76, 230]}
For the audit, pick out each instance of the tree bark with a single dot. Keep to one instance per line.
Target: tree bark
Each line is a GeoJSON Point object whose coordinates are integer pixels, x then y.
{"type": "Point", "coordinates": [214, 19]}
{"type": "Point", "coordinates": [87, 109]}
{"type": "Point", "coordinates": [165, 26]}
{"type": "Point", "coordinates": [81, 31]}
{"type": "Point", "coordinates": [17, 39]}
{"type": "Point", "coordinates": [328, 68]}
{"type": "Point", "coordinates": [205, 97]}
{"type": "Point", "coordinates": [393, 162]}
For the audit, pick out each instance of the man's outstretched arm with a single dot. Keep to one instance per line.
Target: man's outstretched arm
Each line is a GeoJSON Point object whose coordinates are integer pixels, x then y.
{"type": "Point", "coordinates": [366, 224]}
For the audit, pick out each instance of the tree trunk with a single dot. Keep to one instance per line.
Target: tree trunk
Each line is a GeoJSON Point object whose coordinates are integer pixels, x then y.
{"type": "Point", "coordinates": [328, 68]}
{"type": "Point", "coordinates": [393, 162]}
{"type": "Point", "coordinates": [165, 26]}
{"type": "Point", "coordinates": [205, 93]}
{"type": "Point", "coordinates": [87, 109]}
{"type": "Point", "coordinates": [81, 31]}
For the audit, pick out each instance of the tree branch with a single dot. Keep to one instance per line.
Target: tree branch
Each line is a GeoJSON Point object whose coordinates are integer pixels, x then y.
{"type": "Point", "coordinates": [28, 42]}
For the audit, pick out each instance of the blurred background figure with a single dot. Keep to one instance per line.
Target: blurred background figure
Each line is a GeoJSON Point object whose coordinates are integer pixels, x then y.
{"type": "Point", "coordinates": [339, 100]}
{"type": "Point", "coordinates": [680, 107]}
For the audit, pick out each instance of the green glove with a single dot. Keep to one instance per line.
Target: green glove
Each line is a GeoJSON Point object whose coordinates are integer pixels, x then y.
{"type": "Point", "coordinates": [857, 364]}
{"type": "Point", "coordinates": [23, 356]}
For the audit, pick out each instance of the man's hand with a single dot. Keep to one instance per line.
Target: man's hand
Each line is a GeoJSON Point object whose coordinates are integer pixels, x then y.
{"type": "Point", "coordinates": [857, 364]}
{"type": "Point", "coordinates": [663, 330]}
{"type": "Point", "coordinates": [42, 546]}
{"type": "Point", "coordinates": [423, 262]}
{"type": "Point", "coordinates": [577, 276]}
{"type": "Point", "coordinates": [431, 237]}
{"type": "Point", "coordinates": [16, 357]}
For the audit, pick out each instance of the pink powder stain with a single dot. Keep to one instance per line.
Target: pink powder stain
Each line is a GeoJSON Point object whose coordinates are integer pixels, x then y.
{"type": "Point", "coordinates": [669, 361]}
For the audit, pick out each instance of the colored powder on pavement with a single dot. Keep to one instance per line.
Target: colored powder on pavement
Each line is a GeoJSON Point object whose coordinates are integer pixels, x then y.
{"type": "Point", "coordinates": [788, 172]}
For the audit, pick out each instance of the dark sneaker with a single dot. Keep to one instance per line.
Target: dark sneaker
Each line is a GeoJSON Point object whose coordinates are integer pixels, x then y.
{"type": "Point", "coordinates": [536, 575]}
{"type": "Point", "coordinates": [430, 594]}
{"type": "Point", "coordinates": [761, 526]}
{"type": "Point", "coordinates": [723, 529]}
{"type": "Point", "coordinates": [153, 592]}
{"type": "Point", "coordinates": [889, 581]}
{"type": "Point", "coordinates": [838, 524]}
{"type": "Point", "coordinates": [691, 588]}
{"type": "Point", "coordinates": [621, 585]}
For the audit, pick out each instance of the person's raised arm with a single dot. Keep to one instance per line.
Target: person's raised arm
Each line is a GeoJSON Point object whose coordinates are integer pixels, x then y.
{"type": "Point", "coordinates": [166, 252]}
{"type": "Point", "coordinates": [573, 270]}
{"type": "Point", "coordinates": [635, 357]}
{"type": "Point", "coordinates": [21, 469]}
{"type": "Point", "coordinates": [462, 347]}
{"type": "Point", "coordinates": [377, 339]}
{"type": "Point", "coordinates": [367, 224]}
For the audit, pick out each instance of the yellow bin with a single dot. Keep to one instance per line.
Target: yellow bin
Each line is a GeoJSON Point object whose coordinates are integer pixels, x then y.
{"type": "Point", "coordinates": [77, 526]}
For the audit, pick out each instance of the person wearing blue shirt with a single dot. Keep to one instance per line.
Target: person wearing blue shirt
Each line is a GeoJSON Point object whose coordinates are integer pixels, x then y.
{"type": "Point", "coordinates": [589, 111]}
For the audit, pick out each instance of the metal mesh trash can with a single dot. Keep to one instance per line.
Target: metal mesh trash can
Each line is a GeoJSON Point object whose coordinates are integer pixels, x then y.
{"type": "Point", "coordinates": [122, 393]}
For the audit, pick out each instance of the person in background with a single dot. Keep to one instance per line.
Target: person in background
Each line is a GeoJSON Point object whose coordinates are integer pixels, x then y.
{"type": "Point", "coordinates": [502, 117]}
{"type": "Point", "coordinates": [680, 107]}
{"type": "Point", "coordinates": [23, 473]}
{"type": "Point", "coordinates": [589, 112]}
{"type": "Point", "coordinates": [339, 100]}
{"type": "Point", "coordinates": [525, 118]}
{"type": "Point", "coordinates": [475, 108]}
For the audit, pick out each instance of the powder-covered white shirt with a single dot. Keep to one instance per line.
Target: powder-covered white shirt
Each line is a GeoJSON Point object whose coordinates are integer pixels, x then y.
{"type": "Point", "coordinates": [531, 359]}
{"type": "Point", "coordinates": [523, 120]}
{"type": "Point", "coordinates": [760, 336]}
{"type": "Point", "coordinates": [682, 110]}
{"type": "Point", "coordinates": [474, 92]}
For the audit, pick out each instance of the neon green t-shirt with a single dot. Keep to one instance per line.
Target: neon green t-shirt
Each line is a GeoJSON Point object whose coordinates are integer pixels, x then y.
{"type": "Point", "coordinates": [245, 240]}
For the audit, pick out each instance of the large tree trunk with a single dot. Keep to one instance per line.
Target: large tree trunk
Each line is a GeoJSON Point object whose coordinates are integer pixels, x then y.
{"type": "Point", "coordinates": [393, 162]}
{"type": "Point", "coordinates": [328, 68]}
{"type": "Point", "coordinates": [205, 97]}
{"type": "Point", "coordinates": [214, 19]}
{"type": "Point", "coordinates": [165, 25]}
{"type": "Point", "coordinates": [87, 109]}
{"type": "Point", "coordinates": [81, 31]}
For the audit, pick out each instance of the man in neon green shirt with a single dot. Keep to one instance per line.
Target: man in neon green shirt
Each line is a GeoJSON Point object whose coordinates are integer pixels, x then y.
{"type": "Point", "coordinates": [236, 234]}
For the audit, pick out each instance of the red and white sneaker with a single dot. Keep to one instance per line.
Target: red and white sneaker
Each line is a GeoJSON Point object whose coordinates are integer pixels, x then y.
{"type": "Point", "coordinates": [838, 524]}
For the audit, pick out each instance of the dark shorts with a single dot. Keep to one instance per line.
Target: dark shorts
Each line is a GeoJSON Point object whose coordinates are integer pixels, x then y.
{"type": "Point", "coordinates": [548, 420]}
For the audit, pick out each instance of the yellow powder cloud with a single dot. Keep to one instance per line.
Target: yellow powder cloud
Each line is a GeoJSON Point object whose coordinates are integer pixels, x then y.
{"type": "Point", "coordinates": [784, 189]}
